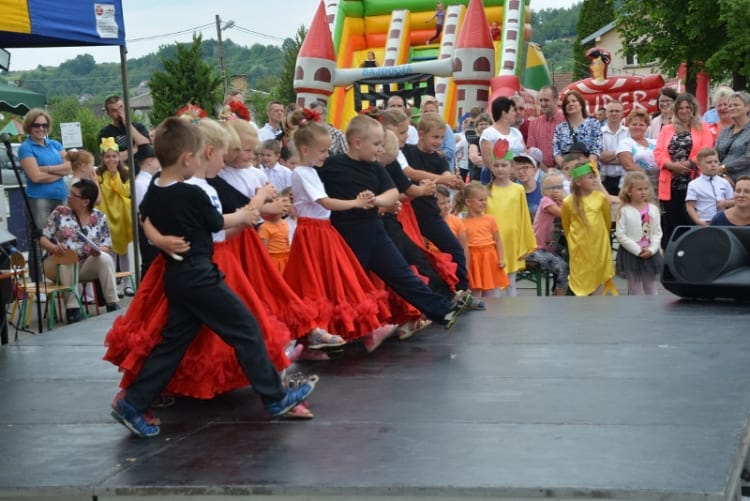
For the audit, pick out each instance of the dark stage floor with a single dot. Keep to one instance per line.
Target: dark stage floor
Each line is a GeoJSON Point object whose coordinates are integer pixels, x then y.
{"type": "Point", "coordinates": [566, 398]}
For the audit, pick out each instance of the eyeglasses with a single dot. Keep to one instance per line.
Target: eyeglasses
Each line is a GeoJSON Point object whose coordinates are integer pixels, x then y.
{"type": "Point", "coordinates": [74, 195]}
{"type": "Point", "coordinates": [37, 126]}
{"type": "Point", "coordinates": [553, 187]}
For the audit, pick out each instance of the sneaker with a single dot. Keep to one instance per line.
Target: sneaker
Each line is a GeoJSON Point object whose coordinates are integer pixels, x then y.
{"type": "Point", "coordinates": [132, 419]}
{"type": "Point", "coordinates": [473, 303]}
{"type": "Point", "coordinates": [128, 291]}
{"type": "Point", "coordinates": [376, 337]}
{"type": "Point", "coordinates": [292, 397]}
{"type": "Point", "coordinates": [73, 315]}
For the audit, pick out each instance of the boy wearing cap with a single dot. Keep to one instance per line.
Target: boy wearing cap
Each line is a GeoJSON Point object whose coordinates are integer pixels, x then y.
{"type": "Point", "coordinates": [526, 169]}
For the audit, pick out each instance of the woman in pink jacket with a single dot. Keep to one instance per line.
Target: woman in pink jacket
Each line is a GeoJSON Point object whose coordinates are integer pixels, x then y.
{"type": "Point", "coordinates": [676, 150]}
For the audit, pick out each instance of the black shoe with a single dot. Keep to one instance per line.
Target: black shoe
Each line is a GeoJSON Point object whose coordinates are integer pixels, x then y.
{"type": "Point", "coordinates": [113, 307]}
{"type": "Point", "coordinates": [73, 315]}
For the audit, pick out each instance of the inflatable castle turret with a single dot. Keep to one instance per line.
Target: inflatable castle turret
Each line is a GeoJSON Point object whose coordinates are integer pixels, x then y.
{"type": "Point", "coordinates": [316, 62]}
{"type": "Point", "coordinates": [473, 60]}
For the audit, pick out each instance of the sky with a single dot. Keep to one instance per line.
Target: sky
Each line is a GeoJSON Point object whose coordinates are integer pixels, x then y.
{"type": "Point", "coordinates": [152, 23]}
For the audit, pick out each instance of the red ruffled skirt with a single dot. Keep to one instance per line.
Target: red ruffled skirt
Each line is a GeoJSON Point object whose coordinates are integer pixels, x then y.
{"type": "Point", "coordinates": [484, 272]}
{"type": "Point", "coordinates": [322, 268]}
{"type": "Point", "coordinates": [209, 366]}
{"type": "Point", "coordinates": [280, 300]}
{"type": "Point", "coordinates": [441, 261]}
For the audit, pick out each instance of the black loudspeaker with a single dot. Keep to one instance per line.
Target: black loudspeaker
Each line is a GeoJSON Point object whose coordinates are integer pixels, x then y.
{"type": "Point", "coordinates": [708, 262]}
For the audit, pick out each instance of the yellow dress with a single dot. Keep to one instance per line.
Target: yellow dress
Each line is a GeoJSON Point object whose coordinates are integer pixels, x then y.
{"type": "Point", "coordinates": [115, 204]}
{"type": "Point", "coordinates": [507, 204]}
{"type": "Point", "coordinates": [589, 246]}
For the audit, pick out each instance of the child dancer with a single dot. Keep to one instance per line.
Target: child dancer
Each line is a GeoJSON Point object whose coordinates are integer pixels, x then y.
{"type": "Point", "coordinates": [269, 153]}
{"type": "Point", "coordinates": [486, 275]}
{"type": "Point", "coordinates": [209, 366]}
{"type": "Point", "coordinates": [321, 266]}
{"type": "Point", "coordinates": [507, 204]}
{"type": "Point", "coordinates": [455, 223]}
{"type": "Point", "coordinates": [638, 229]}
{"type": "Point", "coordinates": [114, 189]}
{"type": "Point", "coordinates": [548, 232]}
{"type": "Point", "coordinates": [586, 221]}
{"type": "Point", "coordinates": [344, 177]}
{"type": "Point", "coordinates": [82, 163]}
{"type": "Point", "coordinates": [195, 289]}
{"type": "Point", "coordinates": [274, 233]}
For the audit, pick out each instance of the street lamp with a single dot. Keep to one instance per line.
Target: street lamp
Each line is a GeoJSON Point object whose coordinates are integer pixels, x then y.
{"type": "Point", "coordinates": [219, 29]}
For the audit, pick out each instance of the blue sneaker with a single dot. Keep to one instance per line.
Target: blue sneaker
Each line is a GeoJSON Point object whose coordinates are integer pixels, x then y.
{"type": "Point", "coordinates": [294, 395]}
{"type": "Point", "coordinates": [132, 419]}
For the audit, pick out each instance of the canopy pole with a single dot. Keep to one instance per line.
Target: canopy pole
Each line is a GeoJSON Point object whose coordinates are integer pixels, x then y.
{"type": "Point", "coordinates": [131, 170]}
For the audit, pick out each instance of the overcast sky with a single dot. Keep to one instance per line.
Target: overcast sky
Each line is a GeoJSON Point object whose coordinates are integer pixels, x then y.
{"type": "Point", "coordinates": [151, 23]}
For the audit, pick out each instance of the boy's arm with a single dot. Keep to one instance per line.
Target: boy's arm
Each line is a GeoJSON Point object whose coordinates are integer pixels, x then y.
{"type": "Point", "coordinates": [445, 178]}
{"type": "Point", "coordinates": [170, 244]}
{"type": "Point", "coordinates": [246, 216]}
{"type": "Point", "coordinates": [386, 199]}
{"type": "Point", "coordinates": [690, 208]}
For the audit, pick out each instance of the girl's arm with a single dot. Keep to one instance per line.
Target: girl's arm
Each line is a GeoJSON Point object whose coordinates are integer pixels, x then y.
{"type": "Point", "coordinates": [365, 200]}
{"type": "Point", "coordinates": [499, 247]}
{"type": "Point", "coordinates": [246, 216]}
{"type": "Point", "coordinates": [554, 210]}
{"type": "Point", "coordinates": [655, 232]}
{"type": "Point", "coordinates": [264, 235]}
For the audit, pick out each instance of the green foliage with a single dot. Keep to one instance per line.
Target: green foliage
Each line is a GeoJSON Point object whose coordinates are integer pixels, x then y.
{"type": "Point", "coordinates": [549, 25]}
{"type": "Point", "coordinates": [595, 14]}
{"type": "Point", "coordinates": [67, 109]}
{"type": "Point", "coordinates": [186, 79]}
{"type": "Point", "coordinates": [733, 57]}
{"type": "Point", "coordinates": [284, 89]}
{"type": "Point", "coordinates": [671, 32]}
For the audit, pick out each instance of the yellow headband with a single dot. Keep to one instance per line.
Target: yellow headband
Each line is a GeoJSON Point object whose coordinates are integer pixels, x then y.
{"type": "Point", "coordinates": [108, 143]}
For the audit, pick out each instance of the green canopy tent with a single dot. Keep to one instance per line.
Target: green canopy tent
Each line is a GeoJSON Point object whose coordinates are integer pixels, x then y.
{"type": "Point", "coordinates": [18, 100]}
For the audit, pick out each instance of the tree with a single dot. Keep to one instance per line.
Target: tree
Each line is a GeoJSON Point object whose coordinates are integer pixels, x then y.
{"type": "Point", "coordinates": [733, 57]}
{"type": "Point", "coordinates": [595, 14]}
{"type": "Point", "coordinates": [284, 89]}
{"type": "Point", "coordinates": [67, 109]}
{"type": "Point", "coordinates": [672, 32]}
{"type": "Point", "coordinates": [185, 79]}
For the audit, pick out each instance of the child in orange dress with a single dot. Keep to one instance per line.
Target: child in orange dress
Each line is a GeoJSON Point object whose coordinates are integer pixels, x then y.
{"type": "Point", "coordinates": [455, 223]}
{"type": "Point", "coordinates": [486, 269]}
{"type": "Point", "coordinates": [274, 233]}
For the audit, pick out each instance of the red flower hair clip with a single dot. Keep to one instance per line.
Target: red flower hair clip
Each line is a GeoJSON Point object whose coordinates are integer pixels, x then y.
{"type": "Point", "coordinates": [193, 111]}
{"type": "Point", "coordinates": [372, 112]}
{"type": "Point", "coordinates": [240, 109]}
{"type": "Point", "coordinates": [310, 115]}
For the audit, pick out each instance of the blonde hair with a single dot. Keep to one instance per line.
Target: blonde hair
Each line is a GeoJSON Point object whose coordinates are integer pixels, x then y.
{"type": "Point", "coordinates": [361, 126]}
{"type": "Point", "coordinates": [213, 133]}
{"type": "Point", "coordinates": [390, 143]}
{"type": "Point", "coordinates": [576, 194]}
{"type": "Point", "coordinates": [630, 178]}
{"type": "Point", "coordinates": [471, 190]}
{"type": "Point", "coordinates": [241, 129]}
{"type": "Point", "coordinates": [706, 152]}
{"type": "Point", "coordinates": [393, 117]}
{"type": "Point", "coordinates": [430, 121]}
{"type": "Point", "coordinates": [639, 113]}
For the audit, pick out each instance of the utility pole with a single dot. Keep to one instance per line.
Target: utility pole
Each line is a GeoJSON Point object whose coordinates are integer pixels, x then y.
{"type": "Point", "coordinates": [221, 54]}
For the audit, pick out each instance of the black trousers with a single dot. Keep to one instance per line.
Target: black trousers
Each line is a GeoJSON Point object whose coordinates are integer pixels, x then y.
{"type": "Point", "coordinates": [437, 231]}
{"type": "Point", "coordinates": [673, 215]}
{"type": "Point", "coordinates": [193, 302]}
{"type": "Point", "coordinates": [414, 255]}
{"type": "Point", "coordinates": [376, 252]}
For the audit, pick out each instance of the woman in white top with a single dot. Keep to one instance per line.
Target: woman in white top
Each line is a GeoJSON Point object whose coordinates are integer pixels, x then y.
{"type": "Point", "coordinates": [504, 114]}
{"type": "Point", "coordinates": [636, 153]}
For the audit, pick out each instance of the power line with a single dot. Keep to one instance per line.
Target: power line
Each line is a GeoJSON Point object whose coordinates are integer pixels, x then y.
{"type": "Point", "coordinates": [165, 35]}
{"type": "Point", "coordinates": [257, 33]}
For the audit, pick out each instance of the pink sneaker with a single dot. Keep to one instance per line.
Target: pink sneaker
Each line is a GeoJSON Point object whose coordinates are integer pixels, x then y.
{"type": "Point", "coordinates": [374, 339]}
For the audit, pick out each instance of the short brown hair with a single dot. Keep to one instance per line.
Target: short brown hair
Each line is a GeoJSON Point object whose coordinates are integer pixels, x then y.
{"type": "Point", "coordinates": [173, 138]}
{"type": "Point", "coordinates": [707, 152]}
{"type": "Point", "coordinates": [361, 126]}
{"type": "Point", "coordinates": [31, 117]}
{"type": "Point", "coordinates": [429, 121]}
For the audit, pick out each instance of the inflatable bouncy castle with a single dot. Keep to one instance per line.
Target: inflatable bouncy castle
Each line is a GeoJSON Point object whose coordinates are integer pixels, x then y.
{"type": "Point", "coordinates": [468, 67]}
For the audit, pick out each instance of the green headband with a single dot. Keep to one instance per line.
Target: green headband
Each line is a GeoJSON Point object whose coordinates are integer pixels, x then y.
{"type": "Point", "coordinates": [581, 170]}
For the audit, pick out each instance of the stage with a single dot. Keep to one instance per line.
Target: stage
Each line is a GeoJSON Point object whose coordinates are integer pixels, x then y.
{"type": "Point", "coordinates": [564, 398]}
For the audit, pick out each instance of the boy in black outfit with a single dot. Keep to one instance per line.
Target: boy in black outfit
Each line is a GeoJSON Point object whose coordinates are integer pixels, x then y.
{"type": "Point", "coordinates": [425, 162]}
{"type": "Point", "coordinates": [345, 177]}
{"type": "Point", "coordinates": [195, 287]}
